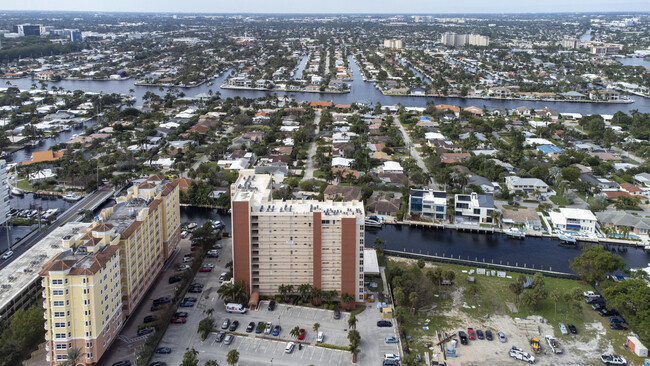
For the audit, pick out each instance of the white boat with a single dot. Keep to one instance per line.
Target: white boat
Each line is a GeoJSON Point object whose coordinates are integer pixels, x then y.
{"type": "Point", "coordinates": [72, 197]}
{"type": "Point", "coordinates": [515, 233]}
{"type": "Point", "coordinates": [373, 221]}
{"type": "Point", "coordinates": [566, 239]}
{"type": "Point", "coordinates": [613, 360]}
{"type": "Point", "coordinates": [17, 192]}
{"type": "Point", "coordinates": [553, 344]}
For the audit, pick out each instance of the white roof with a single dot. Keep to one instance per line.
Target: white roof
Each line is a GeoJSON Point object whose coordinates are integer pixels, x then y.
{"type": "Point", "coordinates": [370, 263]}
{"type": "Point", "coordinates": [516, 181]}
{"type": "Point", "coordinates": [336, 162]}
{"type": "Point", "coordinates": [537, 141]}
{"type": "Point", "coordinates": [578, 214]}
{"type": "Point", "coordinates": [391, 166]}
{"type": "Point", "coordinates": [434, 136]}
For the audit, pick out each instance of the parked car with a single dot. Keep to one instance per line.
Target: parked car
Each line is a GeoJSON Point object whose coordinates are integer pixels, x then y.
{"type": "Point", "coordinates": [182, 267]}
{"type": "Point", "coordinates": [163, 350]}
{"type": "Point", "coordinates": [158, 363]}
{"type": "Point", "coordinates": [488, 335]}
{"type": "Point", "coordinates": [7, 254]}
{"type": "Point", "coordinates": [229, 338]}
{"type": "Point", "coordinates": [606, 312]}
{"type": "Point", "coordinates": [195, 290]}
{"type": "Point", "coordinates": [161, 300]}
{"type": "Point", "coordinates": [234, 325]}
{"type": "Point", "coordinates": [257, 328]}
{"type": "Point", "coordinates": [384, 323]}
{"type": "Point", "coordinates": [320, 337]}
{"type": "Point", "coordinates": [572, 328]}
{"type": "Point", "coordinates": [289, 348]}
{"type": "Point", "coordinates": [471, 334]}
{"type": "Point", "coordinates": [590, 294]}
{"type": "Point", "coordinates": [150, 318]}
{"type": "Point", "coordinates": [301, 334]}
{"type": "Point", "coordinates": [122, 363]}
{"type": "Point", "coordinates": [337, 313]}
{"type": "Point", "coordinates": [615, 319]}
{"type": "Point", "coordinates": [205, 269]}
{"type": "Point", "coordinates": [594, 300]}
{"type": "Point", "coordinates": [617, 326]}
{"type": "Point", "coordinates": [502, 337]}
{"type": "Point", "coordinates": [179, 320]}
{"type": "Point", "coordinates": [222, 277]}
{"type": "Point", "coordinates": [271, 305]}
{"type": "Point", "coordinates": [250, 327]}
{"type": "Point", "coordinates": [155, 307]}
{"type": "Point", "coordinates": [174, 279]}
{"type": "Point", "coordinates": [463, 337]}
{"type": "Point", "coordinates": [598, 306]}
{"type": "Point", "coordinates": [187, 304]}
{"type": "Point", "coordinates": [146, 330]}
{"type": "Point", "coordinates": [181, 314]}
{"type": "Point", "coordinates": [213, 253]}
{"type": "Point", "coordinates": [563, 329]}
{"type": "Point", "coordinates": [479, 334]}
{"type": "Point", "coordinates": [391, 340]}
{"type": "Point", "coordinates": [225, 324]}
{"type": "Point", "coordinates": [276, 330]}
{"type": "Point", "coordinates": [217, 246]}
{"type": "Point", "coordinates": [269, 328]}
{"type": "Point", "coordinates": [220, 336]}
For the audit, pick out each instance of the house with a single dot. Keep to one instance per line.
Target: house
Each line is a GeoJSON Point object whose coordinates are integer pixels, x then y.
{"type": "Point", "coordinates": [642, 179]}
{"type": "Point", "coordinates": [621, 219]}
{"type": "Point", "coordinates": [321, 104]}
{"type": "Point", "coordinates": [41, 175]}
{"type": "Point", "coordinates": [474, 207]}
{"type": "Point", "coordinates": [550, 149]}
{"type": "Point", "coordinates": [474, 111]}
{"type": "Point", "coordinates": [341, 162]}
{"type": "Point", "coordinates": [428, 203]}
{"type": "Point", "coordinates": [528, 185]}
{"type": "Point", "coordinates": [383, 205]}
{"type": "Point", "coordinates": [635, 191]}
{"type": "Point", "coordinates": [391, 167]}
{"type": "Point", "coordinates": [599, 182]}
{"type": "Point", "coordinates": [499, 92]}
{"type": "Point", "coordinates": [574, 219]}
{"type": "Point", "coordinates": [342, 193]}
{"type": "Point", "coordinates": [453, 158]}
{"type": "Point", "coordinates": [44, 156]}
{"type": "Point", "coordinates": [522, 217]}
{"type": "Point", "coordinates": [183, 183]}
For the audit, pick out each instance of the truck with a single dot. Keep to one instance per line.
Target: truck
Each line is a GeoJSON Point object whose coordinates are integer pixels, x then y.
{"type": "Point", "coordinates": [535, 346]}
{"type": "Point", "coordinates": [235, 308]}
{"type": "Point", "coordinates": [636, 346]}
{"type": "Point", "coordinates": [590, 294]}
{"type": "Point", "coordinates": [518, 354]}
{"type": "Point", "coordinates": [553, 344]}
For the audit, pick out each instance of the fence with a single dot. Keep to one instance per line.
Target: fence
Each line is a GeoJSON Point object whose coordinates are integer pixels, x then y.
{"type": "Point", "coordinates": [483, 264]}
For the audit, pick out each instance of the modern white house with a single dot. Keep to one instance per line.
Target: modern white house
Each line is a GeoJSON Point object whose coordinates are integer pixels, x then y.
{"type": "Point", "coordinates": [517, 184]}
{"type": "Point", "coordinates": [391, 167]}
{"type": "Point", "coordinates": [474, 207]}
{"type": "Point", "coordinates": [574, 219]}
{"type": "Point", "coordinates": [429, 203]}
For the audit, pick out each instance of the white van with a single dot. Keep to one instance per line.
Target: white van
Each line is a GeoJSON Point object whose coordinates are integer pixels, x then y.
{"type": "Point", "coordinates": [235, 308]}
{"type": "Point", "coordinates": [320, 338]}
{"type": "Point", "coordinates": [289, 348]}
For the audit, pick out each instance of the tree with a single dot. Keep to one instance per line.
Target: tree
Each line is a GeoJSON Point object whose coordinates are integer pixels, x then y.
{"type": "Point", "coordinates": [304, 290]}
{"type": "Point", "coordinates": [529, 299]}
{"type": "Point", "coordinates": [632, 298]}
{"type": "Point", "coordinates": [348, 300]}
{"type": "Point", "coordinates": [379, 245]}
{"type": "Point", "coordinates": [516, 288]}
{"type": "Point", "coordinates": [399, 296]}
{"type": "Point", "coordinates": [294, 331]}
{"type": "Point", "coordinates": [206, 325]}
{"type": "Point", "coordinates": [595, 263]}
{"type": "Point", "coordinates": [355, 339]}
{"type": "Point", "coordinates": [24, 333]}
{"type": "Point", "coordinates": [189, 358]}
{"type": "Point", "coordinates": [232, 357]}
{"type": "Point", "coordinates": [211, 363]}
{"type": "Point", "coordinates": [413, 300]}
{"type": "Point", "coordinates": [556, 297]}
{"type": "Point", "coordinates": [74, 354]}
{"type": "Point", "coordinates": [316, 327]}
{"type": "Point", "coordinates": [352, 321]}
{"type": "Point", "coordinates": [421, 263]}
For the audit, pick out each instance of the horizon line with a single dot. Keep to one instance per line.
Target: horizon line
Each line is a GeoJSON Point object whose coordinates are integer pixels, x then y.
{"type": "Point", "coordinates": [327, 13]}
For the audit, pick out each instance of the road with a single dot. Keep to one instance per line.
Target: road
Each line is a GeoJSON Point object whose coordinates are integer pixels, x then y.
{"type": "Point", "coordinates": [72, 214]}
{"type": "Point", "coordinates": [311, 152]}
{"type": "Point", "coordinates": [412, 148]}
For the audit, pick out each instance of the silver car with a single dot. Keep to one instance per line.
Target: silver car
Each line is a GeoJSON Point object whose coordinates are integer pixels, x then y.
{"type": "Point", "coordinates": [502, 337]}
{"type": "Point", "coordinates": [563, 329]}
{"type": "Point", "coordinates": [229, 338]}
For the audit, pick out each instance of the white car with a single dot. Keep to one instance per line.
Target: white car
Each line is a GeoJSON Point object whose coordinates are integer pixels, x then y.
{"type": "Point", "coordinates": [391, 356]}
{"type": "Point", "coordinates": [320, 338]}
{"type": "Point", "coordinates": [7, 255]}
{"type": "Point", "coordinates": [289, 348]}
{"type": "Point", "coordinates": [563, 329]}
{"type": "Point", "coordinates": [269, 328]}
{"type": "Point", "coordinates": [590, 294]}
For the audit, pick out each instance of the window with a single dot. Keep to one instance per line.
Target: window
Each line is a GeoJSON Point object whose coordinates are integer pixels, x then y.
{"type": "Point", "coordinates": [59, 314]}
{"type": "Point", "coordinates": [477, 211]}
{"type": "Point", "coordinates": [59, 325]}
{"type": "Point", "coordinates": [60, 346]}
{"type": "Point", "coordinates": [61, 357]}
{"type": "Point", "coordinates": [57, 292]}
{"type": "Point", "coordinates": [59, 336]}
{"type": "Point", "coordinates": [57, 303]}
{"type": "Point", "coordinates": [57, 282]}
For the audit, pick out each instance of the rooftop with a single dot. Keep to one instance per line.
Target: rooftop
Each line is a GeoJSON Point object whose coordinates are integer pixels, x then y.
{"type": "Point", "coordinates": [24, 270]}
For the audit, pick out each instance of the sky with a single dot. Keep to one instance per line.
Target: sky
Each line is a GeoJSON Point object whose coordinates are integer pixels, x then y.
{"type": "Point", "coordinates": [334, 6]}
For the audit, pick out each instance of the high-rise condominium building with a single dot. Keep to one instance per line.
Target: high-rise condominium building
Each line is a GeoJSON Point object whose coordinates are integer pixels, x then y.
{"type": "Point", "coordinates": [395, 44]}
{"type": "Point", "coordinates": [106, 268]}
{"type": "Point", "coordinates": [4, 193]}
{"type": "Point", "coordinates": [279, 242]}
{"type": "Point", "coordinates": [458, 40]}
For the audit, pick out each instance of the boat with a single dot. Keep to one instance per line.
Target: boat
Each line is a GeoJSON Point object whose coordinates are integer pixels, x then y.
{"type": "Point", "coordinates": [515, 233]}
{"type": "Point", "coordinates": [566, 239]}
{"type": "Point", "coordinates": [17, 192]}
{"type": "Point", "coordinates": [613, 360]}
{"type": "Point", "coordinates": [72, 197]}
{"type": "Point", "coordinates": [647, 248]}
{"type": "Point", "coordinates": [553, 344]}
{"type": "Point", "coordinates": [373, 221]}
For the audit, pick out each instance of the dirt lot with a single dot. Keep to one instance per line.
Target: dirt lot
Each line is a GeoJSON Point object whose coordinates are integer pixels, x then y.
{"type": "Point", "coordinates": [452, 313]}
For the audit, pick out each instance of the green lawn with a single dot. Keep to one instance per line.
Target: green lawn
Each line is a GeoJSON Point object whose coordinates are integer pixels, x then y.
{"type": "Point", "coordinates": [319, 174]}
{"type": "Point", "coordinates": [560, 201]}
{"type": "Point", "coordinates": [24, 185]}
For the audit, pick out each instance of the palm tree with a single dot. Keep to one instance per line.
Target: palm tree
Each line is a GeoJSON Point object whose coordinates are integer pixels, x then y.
{"type": "Point", "coordinates": [232, 357]}
{"type": "Point", "coordinates": [413, 299]}
{"type": "Point", "coordinates": [316, 296]}
{"type": "Point", "coordinates": [316, 327]}
{"type": "Point", "coordinates": [355, 339]}
{"type": "Point", "coordinates": [495, 215]}
{"type": "Point", "coordinates": [555, 296]}
{"type": "Point", "coordinates": [74, 354]}
{"type": "Point", "coordinates": [304, 290]}
{"type": "Point", "coordinates": [211, 363]}
{"type": "Point", "coordinates": [347, 299]}
{"type": "Point", "coordinates": [352, 321]}
{"type": "Point", "coordinates": [516, 288]}
{"type": "Point", "coordinates": [295, 331]}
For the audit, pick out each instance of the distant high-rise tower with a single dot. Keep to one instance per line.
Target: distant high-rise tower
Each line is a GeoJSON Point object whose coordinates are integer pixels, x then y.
{"type": "Point", "coordinates": [394, 44]}
{"type": "Point", "coordinates": [458, 40]}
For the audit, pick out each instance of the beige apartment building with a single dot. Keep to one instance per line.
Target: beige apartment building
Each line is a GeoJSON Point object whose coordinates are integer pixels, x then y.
{"type": "Point", "coordinates": [106, 268]}
{"type": "Point", "coordinates": [294, 242]}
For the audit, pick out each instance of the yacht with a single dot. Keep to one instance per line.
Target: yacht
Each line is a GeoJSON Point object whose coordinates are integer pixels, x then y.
{"type": "Point", "coordinates": [17, 192]}
{"type": "Point", "coordinates": [515, 233]}
{"type": "Point", "coordinates": [613, 360]}
{"type": "Point", "coordinates": [373, 221]}
{"type": "Point", "coordinates": [72, 197]}
{"type": "Point", "coordinates": [566, 239]}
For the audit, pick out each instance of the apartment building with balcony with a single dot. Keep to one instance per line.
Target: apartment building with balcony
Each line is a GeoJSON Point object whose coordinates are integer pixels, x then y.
{"type": "Point", "coordinates": [295, 242]}
{"type": "Point", "coordinates": [474, 207]}
{"type": "Point", "coordinates": [106, 268]}
{"type": "Point", "coordinates": [428, 203]}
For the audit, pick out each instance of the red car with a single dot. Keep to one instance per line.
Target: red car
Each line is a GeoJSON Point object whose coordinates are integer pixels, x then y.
{"type": "Point", "coordinates": [470, 333]}
{"type": "Point", "coordinates": [301, 334]}
{"type": "Point", "coordinates": [178, 320]}
{"type": "Point", "coordinates": [205, 269]}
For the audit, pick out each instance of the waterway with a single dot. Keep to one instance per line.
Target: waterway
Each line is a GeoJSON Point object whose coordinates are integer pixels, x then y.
{"type": "Point", "coordinates": [586, 37]}
{"type": "Point", "coordinates": [635, 61]}
{"type": "Point", "coordinates": [361, 91]}
{"type": "Point", "coordinates": [300, 68]}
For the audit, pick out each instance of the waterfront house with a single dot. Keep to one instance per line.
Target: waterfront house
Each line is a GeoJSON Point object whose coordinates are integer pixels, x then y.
{"type": "Point", "coordinates": [473, 207]}
{"type": "Point", "coordinates": [44, 156]}
{"type": "Point", "coordinates": [383, 205]}
{"type": "Point", "coordinates": [528, 185]}
{"type": "Point", "coordinates": [522, 217]}
{"type": "Point", "coordinates": [342, 193]}
{"type": "Point", "coordinates": [574, 219]}
{"type": "Point", "coordinates": [428, 203]}
{"type": "Point", "coordinates": [618, 220]}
